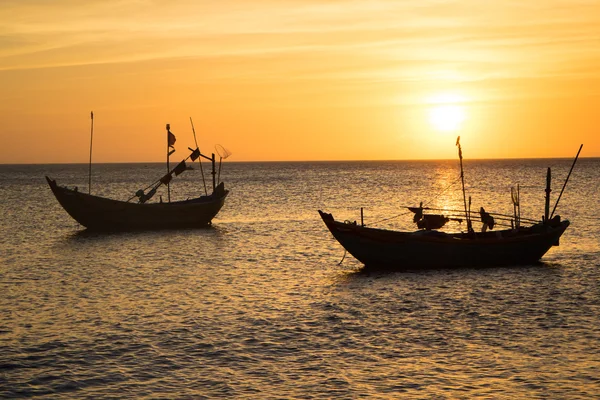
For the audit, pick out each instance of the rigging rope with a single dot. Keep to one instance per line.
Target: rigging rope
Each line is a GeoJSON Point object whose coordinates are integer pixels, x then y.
{"type": "Point", "coordinates": [343, 257]}
{"type": "Point", "coordinates": [443, 191]}
{"type": "Point", "coordinates": [392, 217]}
{"type": "Point", "coordinates": [428, 202]}
{"type": "Point", "coordinates": [156, 184]}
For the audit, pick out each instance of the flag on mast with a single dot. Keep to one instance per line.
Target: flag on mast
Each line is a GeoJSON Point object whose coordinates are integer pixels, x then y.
{"type": "Point", "coordinates": [171, 138]}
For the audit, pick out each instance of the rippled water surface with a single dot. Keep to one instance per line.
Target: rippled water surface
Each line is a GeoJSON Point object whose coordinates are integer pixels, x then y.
{"type": "Point", "coordinates": [258, 307]}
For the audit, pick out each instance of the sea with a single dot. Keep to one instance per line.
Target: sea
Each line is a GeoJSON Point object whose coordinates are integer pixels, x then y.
{"type": "Point", "coordinates": [265, 304]}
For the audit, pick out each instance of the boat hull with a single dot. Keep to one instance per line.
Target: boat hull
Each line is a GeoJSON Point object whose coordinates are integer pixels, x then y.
{"type": "Point", "coordinates": [102, 214]}
{"type": "Point", "coordinates": [432, 249]}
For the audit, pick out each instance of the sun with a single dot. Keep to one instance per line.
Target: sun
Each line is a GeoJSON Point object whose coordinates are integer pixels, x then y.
{"type": "Point", "coordinates": [447, 117]}
{"type": "Point", "coordinates": [446, 113]}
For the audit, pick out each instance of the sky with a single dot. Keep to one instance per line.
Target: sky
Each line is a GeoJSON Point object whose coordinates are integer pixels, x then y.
{"type": "Point", "coordinates": [298, 79]}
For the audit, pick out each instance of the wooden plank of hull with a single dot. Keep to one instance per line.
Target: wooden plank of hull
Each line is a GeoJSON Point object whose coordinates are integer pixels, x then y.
{"type": "Point", "coordinates": [99, 213]}
{"type": "Point", "coordinates": [423, 249]}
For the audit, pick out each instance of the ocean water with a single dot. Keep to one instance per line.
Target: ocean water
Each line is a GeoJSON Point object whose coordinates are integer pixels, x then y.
{"type": "Point", "coordinates": [259, 306]}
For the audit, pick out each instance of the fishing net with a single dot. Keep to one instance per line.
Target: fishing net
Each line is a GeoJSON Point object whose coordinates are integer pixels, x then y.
{"type": "Point", "coordinates": [222, 152]}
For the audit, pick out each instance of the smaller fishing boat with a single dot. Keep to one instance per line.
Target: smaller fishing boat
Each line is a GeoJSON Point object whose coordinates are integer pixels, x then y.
{"type": "Point", "coordinates": [431, 248]}
{"type": "Point", "coordinates": [137, 213]}
{"type": "Point", "coordinates": [102, 214]}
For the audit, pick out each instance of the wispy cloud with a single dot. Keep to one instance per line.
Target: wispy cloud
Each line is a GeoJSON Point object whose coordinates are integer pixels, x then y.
{"type": "Point", "coordinates": [349, 42]}
{"type": "Point", "coordinates": [40, 33]}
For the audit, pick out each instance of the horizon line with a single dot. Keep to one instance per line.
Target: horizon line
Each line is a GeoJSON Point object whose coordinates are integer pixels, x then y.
{"type": "Point", "coordinates": [313, 161]}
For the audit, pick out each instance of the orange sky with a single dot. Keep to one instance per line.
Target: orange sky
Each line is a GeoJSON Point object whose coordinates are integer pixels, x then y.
{"type": "Point", "coordinates": [299, 80]}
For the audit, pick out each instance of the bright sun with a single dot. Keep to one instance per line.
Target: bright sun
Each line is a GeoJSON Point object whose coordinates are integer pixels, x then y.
{"type": "Point", "coordinates": [446, 113]}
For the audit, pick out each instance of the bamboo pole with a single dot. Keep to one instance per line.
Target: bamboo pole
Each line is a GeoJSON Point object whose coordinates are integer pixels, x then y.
{"type": "Point", "coordinates": [548, 190]}
{"type": "Point", "coordinates": [518, 205]}
{"type": "Point", "coordinates": [199, 161]}
{"type": "Point", "coordinates": [461, 212]}
{"type": "Point", "coordinates": [219, 174]}
{"type": "Point", "coordinates": [168, 167]}
{"type": "Point", "coordinates": [91, 142]}
{"type": "Point", "coordinates": [462, 179]}
{"type": "Point", "coordinates": [567, 180]}
{"type": "Point", "coordinates": [214, 172]}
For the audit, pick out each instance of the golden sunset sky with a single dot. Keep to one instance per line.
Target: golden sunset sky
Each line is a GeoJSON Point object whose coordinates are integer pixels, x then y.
{"type": "Point", "coordinates": [299, 80]}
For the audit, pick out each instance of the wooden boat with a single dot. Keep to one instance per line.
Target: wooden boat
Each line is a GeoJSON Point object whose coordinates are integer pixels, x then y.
{"type": "Point", "coordinates": [104, 214]}
{"type": "Point", "coordinates": [434, 249]}
{"type": "Point", "coordinates": [431, 248]}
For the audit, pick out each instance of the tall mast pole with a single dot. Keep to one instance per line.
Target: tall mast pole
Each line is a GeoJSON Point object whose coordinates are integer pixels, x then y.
{"type": "Point", "coordinates": [548, 190]}
{"type": "Point", "coordinates": [214, 172]}
{"type": "Point", "coordinates": [91, 141]}
{"type": "Point", "coordinates": [168, 167]}
{"type": "Point", "coordinates": [518, 206]}
{"type": "Point", "coordinates": [462, 179]}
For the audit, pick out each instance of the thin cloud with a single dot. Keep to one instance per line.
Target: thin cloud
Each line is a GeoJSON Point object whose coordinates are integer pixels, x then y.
{"type": "Point", "coordinates": [311, 40]}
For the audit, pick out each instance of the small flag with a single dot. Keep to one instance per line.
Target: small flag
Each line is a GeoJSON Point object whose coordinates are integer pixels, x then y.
{"type": "Point", "coordinates": [180, 168]}
{"type": "Point", "coordinates": [166, 179]}
{"type": "Point", "coordinates": [171, 139]}
{"type": "Point", "coordinates": [195, 154]}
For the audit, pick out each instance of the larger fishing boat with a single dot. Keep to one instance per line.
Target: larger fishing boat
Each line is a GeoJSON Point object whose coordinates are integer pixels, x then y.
{"type": "Point", "coordinates": [429, 247]}
{"type": "Point", "coordinates": [138, 213]}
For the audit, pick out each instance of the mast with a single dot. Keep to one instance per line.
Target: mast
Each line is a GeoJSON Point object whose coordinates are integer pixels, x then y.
{"type": "Point", "coordinates": [462, 179]}
{"type": "Point", "coordinates": [214, 172]}
{"type": "Point", "coordinates": [168, 167]}
{"type": "Point", "coordinates": [91, 141]}
{"type": "Point", "coordinates": [548, 190]}
{"type": "Point", "coordinates": [518, 205]}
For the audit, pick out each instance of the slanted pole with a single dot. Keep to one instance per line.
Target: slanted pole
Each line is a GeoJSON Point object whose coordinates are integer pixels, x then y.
{"type": "Point", "coordinates": [548, 190]}
{"type": "Point", "coordinates": [91, 141]}
{"type": "Point", "coordinates": [219, 175]}
{"type": "Point", "coordinates": [199, 160]}
{"type": "Point", "coordinates": [462, 179]}
{"type": "Point", "coordinates": [567, 180]}
{"type": "Point", "coordinates": [214, 172]}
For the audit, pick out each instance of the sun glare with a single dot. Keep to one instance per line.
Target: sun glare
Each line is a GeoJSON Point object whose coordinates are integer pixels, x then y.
{"type": "Point", "coordinates": [446, 114]}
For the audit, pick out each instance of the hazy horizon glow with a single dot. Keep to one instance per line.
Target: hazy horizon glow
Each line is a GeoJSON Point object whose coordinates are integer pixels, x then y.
{"type": "Point", "coordinates": [299, 80]}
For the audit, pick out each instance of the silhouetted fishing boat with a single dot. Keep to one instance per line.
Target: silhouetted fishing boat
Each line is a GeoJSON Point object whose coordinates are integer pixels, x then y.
{"type": "Point", "coordinates": [100, 213]}
{"type": "Point", "coordinates": [104, 214]}
{"type": "Point", "coordinates": [431, 248]}
{"type": "Point", "coordinates": [421, 249]}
